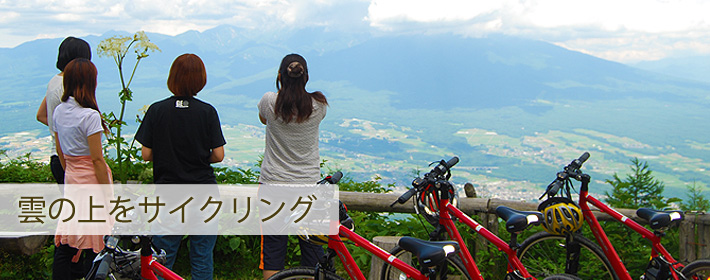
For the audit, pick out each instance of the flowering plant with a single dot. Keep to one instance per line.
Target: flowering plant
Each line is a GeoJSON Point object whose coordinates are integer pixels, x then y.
{"type": "Point", "coordinates": [117, 47]}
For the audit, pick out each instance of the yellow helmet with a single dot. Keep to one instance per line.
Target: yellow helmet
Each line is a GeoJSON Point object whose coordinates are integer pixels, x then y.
{"type": "Point", "coordinates": [562, 215]}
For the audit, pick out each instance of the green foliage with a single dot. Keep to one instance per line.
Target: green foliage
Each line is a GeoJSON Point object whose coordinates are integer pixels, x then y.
{"type": "Point", "coordinates": [37, 266]}
{"type": "Point", "coordinates": [639, 189]}
{"type": "Point", "coordinates": [133, 170]}
{"type": "Point", "coordinates": [117, 47]}
{"type": "Point", "coordinates": [23, 169]}
{"type": "Point", "coordinates": [632, 248]}
{"type": "Point", "coordinates": [371, 186]}
{"type": "Point", "coordinates": [696, 201]}
{"type": "Point", "coordinates": [240, 176]}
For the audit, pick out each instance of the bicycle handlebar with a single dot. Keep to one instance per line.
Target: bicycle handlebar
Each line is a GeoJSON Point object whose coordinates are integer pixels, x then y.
{"type": "Point", "coordinates": [332, 179]}
{"type": "Point", "coordinates": [404, 197]}
{"type": "Point", "coordinates": [577, 163]}
{"type": "Point", "coordinates": [439, 170]}
{"type": "Point", "coordinates": [102, 271]}
{"type": "Point", "coordinates": [571, 170]}
{"type": "Point", "coordinates": [335, 178]}
{"type": "Point", "coordinates": [110, 243]}
{"type": "Point", "coordinates": [555, 186]}
{"type": "Point", "coordinates": [443, 167]}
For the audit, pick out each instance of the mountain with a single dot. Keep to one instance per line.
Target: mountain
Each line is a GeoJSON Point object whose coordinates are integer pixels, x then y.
{"type": "Point", "coordinates": [514, 110]}
{"type": "Point", "coordinates": [691, 68]}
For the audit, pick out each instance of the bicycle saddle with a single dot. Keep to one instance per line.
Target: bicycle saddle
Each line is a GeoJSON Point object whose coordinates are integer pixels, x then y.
{"type": "Point", "coordinates": [429, 253]}
{"type": "Point", "coordinates": [517, 221]}
{"type": "Point", "coordinates": [660, 219]}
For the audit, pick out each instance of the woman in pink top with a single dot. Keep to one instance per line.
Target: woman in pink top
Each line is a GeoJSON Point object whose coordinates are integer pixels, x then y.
{"type": "Point", "coordinates": [78, 126]}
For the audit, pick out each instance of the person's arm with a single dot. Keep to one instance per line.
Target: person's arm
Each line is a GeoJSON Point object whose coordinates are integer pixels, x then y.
{"type": "Point", "coordinates": [217, 154]}
{"type": "Point", "coordinates": [147, 153]}
{"type": "Point", "coordinates": [59, 151]}
{"type": "Point", "coordinates": [97, 158]}
{"type": "Point", "coordinates": [42, 112]}
{"type": "Point", "coordinates": [262, 119]}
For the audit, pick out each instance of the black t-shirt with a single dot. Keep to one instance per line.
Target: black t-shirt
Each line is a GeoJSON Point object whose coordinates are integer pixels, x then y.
{"type": "Point", "coordinates": [181, 131]}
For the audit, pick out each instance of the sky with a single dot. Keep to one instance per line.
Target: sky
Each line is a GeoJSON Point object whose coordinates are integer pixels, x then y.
{"type": "Point", "coordinates": [626, 31]}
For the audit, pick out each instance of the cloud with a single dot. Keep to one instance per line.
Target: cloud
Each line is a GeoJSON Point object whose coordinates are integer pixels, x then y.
{"type": "Point", "coordinates": [624, 31]}
{"type": "Point", "coordinates": [618, 30]}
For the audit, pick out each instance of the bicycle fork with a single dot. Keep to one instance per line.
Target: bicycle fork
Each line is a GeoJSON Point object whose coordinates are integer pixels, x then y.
{"type": "Point", "coordinates": [573, 250]}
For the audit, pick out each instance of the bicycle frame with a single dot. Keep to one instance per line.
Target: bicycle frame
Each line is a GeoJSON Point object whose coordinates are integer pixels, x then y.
{"type": "Point", "coordinates": [336, 243]}
{"type": "Point", "coordinates": [447, 213]}
{"type": "Point", "coordinates": [150, 267]}
{"type": "Point", "coordinates": [603, 240]}
{"type": "Point", "coordinates": [448, 223]}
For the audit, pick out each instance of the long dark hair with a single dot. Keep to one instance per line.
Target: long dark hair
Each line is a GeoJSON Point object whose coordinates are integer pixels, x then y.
{"type": "Point", "coordinates": [293, 100]}
{"type": "Point", "coordinates": [80, 82]}
{"type": "Point", "coordinates": [70, 49]}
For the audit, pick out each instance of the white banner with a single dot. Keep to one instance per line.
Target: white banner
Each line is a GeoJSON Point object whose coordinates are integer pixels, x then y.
{"type": "Point", "coordinates": [168, 209]}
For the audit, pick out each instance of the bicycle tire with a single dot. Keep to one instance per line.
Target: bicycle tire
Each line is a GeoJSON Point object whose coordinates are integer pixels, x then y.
{"type": "Point", "coordinates": [455, 267]}
{"type": "Point", "coordinates": [699, 269]}
{"type": "Point", "coordinates": [543, 254]}
{"type": "Point", "coordinates": [302, 273]}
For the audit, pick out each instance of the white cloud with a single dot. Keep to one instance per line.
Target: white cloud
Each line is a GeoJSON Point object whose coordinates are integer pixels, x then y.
{"type": "Point", "coordinates": [626, 31]}
{"type": "Point", "coordinates": [619, 30]}
{"type": "Point", "coordinates": [114, 11]}
{"type": "Point", "coordinates": [8, 16]}
{"type": "Point", "coordinates": [383, 11]}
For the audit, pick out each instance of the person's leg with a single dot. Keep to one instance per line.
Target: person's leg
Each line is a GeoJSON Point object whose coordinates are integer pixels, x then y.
{"type": "Point", "coordinates": [169, 243]}
{"type": "Point", "coordinates": [62, 266]}
{"type": "Point", "coordinates": [311, 253]}
{"type": "Point", "coordinates": [57, 171]}
{"type": "Point", "coordinates": [201, 256]}
{"type": "Point", "coordinates": [273, 254]}
{"type": "Point", "coordinates": [85, 262]}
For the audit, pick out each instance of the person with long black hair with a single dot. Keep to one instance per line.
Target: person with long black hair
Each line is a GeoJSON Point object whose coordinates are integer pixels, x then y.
{"type": "Point", "coordinates": [69, 49]}
{"type": "Point", "coordinates": [292, 117]}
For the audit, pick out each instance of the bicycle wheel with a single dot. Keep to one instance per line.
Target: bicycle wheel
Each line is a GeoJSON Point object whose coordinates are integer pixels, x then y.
{"type": "Point", "coordinates": [699, 269]}
{"type": "Point", "coordinates": [302, 273]}
{"type": "Point", "coordinates": [453, 269]}
{"type": "Point", "coordinates": [544, 254]}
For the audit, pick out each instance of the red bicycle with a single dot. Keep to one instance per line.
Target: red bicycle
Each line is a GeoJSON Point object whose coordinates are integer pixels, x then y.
{"type": "Point", "coordinates": [113, 262]}
{"type": "Point", "coordinates": [430, 253]}
{"type": "Point", "coordinates": [434, 193]}
{"type": "Point", "coordinates": [567, 248]}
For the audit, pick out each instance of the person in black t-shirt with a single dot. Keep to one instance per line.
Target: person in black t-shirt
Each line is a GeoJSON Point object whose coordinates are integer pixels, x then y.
{"type": "Point", "coordinates": [182, 136]}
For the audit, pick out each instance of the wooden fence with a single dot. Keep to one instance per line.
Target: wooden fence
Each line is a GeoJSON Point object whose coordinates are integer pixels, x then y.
{"type": "Point", "coordinates": [694, 230]}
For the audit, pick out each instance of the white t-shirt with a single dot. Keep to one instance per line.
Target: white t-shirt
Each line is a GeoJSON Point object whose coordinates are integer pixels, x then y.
{"type": "Point", "coordinates": [73, 125]}
{"type": "Point", "coordinates": [291, 153]}
{"type": "Point", "coordinates": [53, 97]}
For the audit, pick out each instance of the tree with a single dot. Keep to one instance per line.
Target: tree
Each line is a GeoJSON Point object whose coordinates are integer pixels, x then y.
{"type": "Point", "coordinates": [696, 200]}
{"type": "Point", "coordinates": [639, 189]}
